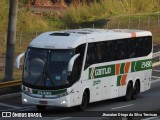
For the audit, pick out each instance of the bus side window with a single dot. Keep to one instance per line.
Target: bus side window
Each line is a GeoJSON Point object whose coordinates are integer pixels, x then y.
{"type": "Point", "coordinates": [144, 46]}
{"type": "Point", "coordinates": [109, 51]}
{"type": "Point", "coordinates": [148, 45]}
{"type": "Point", "coordinates": [132, 50]}
{"type": "Point", "coordinates": [141, 48]}
{"type": "Point", "coordinates": [98, 53]}
{"type": "Point", "coordinates": [120, 52]}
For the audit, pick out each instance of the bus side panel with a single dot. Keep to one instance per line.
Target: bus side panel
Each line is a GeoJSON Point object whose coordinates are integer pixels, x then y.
{"type": "Point", "coordinates": [146, 82]}
{"type": "Point", "coordinates": [149, 73]}
{"type": "Point", "coordinates": [96, 91]}
{"type": "Point", "coordinates": [106, 87]}
{"type": "Point", "coordinates": [113, 87]}
{"type": "Point", "coordinates": [75, 94]}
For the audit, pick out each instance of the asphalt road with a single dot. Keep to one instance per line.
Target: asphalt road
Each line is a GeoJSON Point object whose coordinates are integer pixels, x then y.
{"type": "Point", "coordinates": [147, 101]}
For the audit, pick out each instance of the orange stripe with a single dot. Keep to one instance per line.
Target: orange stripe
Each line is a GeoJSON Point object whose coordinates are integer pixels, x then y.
{"type": "Point", "coordinates": [133, 34]}
{"type": "Point", "coordinates": [118, 69]}
{"type": "Point", "coordinates": [127, 67]}
{"type": "Point", "coordinates": [123, 80]}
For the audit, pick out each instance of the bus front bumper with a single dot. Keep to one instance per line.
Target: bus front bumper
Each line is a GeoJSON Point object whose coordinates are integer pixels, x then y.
{"type": "Point", "coordinates": [59, 102]}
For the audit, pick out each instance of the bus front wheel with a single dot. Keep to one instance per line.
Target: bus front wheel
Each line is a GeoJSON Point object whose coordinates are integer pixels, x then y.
{"type": "Point", "coordinates": [129, 92]}
{"type": "Point", "coordinates": [84, 102]}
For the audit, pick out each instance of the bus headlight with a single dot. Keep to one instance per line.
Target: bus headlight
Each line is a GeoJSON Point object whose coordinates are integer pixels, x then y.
{"type": "Point", "coordinates": [63, 102]}
{"type": "Point", "coordinates": [65, 94]}
{"type": "Point", "coordinates": [25, 100]}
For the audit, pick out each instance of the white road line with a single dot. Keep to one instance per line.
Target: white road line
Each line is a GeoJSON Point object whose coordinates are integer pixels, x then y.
{"type": "Point", "coordinates": [155, 70]}
{"type": "Point", "coordinates": [63, 118]}
{"type": "Point", "coordinates": [151, 118]}
{"type": "Point", "coordinates": [122, 106]}
{"type": "Point", "coordinates": [19, 109]}
{"type": "Point", "coordinates": [155, 77]}
{"type": "Point", "coordinates": [11, 106]}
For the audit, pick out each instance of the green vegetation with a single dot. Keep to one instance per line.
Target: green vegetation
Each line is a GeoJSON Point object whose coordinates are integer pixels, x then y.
{"type": "Point", "coordinates": [74, 14]}
{"type": "Point", "coordinates": [134, 14]}
{"type": "Point", "coordinates": [3, 15]}
{"type": "Point", "coordinates": [107, 8]}
{"type": "Point", "coordinates": [26, 20]}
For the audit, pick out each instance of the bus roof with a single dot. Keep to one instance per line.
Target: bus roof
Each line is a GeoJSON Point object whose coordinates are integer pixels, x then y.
{"type": "Point", "coordinates": [67, 39]}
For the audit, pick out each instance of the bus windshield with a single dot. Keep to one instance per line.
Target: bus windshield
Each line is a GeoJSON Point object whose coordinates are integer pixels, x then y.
{"type": "Point", "coordinates": [46, 69]}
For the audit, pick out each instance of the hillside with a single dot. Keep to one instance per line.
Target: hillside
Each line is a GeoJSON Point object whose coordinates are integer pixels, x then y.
{"type": "Point", "coordinates": [44, 19]}
{"type": "Point", "coordinates": [44, 2]}
{"type": "Point", "coordinates": [109, 14]}
{"type": "Point", "coordinates": [57, 2]}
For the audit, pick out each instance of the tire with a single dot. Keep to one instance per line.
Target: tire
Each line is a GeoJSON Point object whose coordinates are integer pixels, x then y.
{"type": "Point", "coordinates": [84, 103]}
{"type": "Point", "coordinates": [136, 91]}
{"type": "Point", "coordinates": [41, 108]}
{"type": "Point", "coordinates": [129, 92]}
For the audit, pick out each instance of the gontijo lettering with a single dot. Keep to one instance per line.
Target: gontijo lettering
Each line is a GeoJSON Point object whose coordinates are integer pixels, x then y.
{"type": "Point", "coordinates": [103, 71]}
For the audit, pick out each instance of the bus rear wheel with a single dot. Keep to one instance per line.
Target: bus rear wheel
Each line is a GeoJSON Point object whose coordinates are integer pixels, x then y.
{"type": "Point", "coordinates": [84, 103]}
{"type": "Point", "coordinates": [129, 92]}
{"type": "Point", "coordinates": [136, 91]}
{"type": "Point", "coordinates": [41, 108]}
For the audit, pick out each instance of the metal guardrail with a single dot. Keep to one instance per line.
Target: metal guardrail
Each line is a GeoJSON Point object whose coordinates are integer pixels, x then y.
{"type": "Point", "coordinates": [10, 83]}
{"type": "Point", "coordinates": [19, 82]}
{"type": "Point", "coordinates": [156, 55]}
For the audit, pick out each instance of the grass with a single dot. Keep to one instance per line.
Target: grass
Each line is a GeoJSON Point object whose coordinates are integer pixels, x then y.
{"type": "Point", "coordinates": [17, 75]}
{"type": "Point", "coordinates": [106, 9]}
{"type": "Point", "coordinates": [26, 20]}
{"type": "Point", "coordinates": [73, 15]}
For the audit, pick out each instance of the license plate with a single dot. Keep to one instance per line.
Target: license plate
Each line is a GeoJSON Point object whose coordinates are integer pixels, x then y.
{"type": "Point", "coordinates": [43, 102]}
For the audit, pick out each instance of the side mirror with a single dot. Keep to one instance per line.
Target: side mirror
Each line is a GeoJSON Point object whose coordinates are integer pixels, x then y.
{"type": "Point", "coordinates": [18, 59]}
{"type": "Point", "coordinates": [71, 62]}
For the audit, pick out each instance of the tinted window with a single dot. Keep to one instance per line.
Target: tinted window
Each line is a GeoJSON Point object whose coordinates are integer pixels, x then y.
{"type": "Point", "coordinates": [90, 57]}
{"type": "Point", "coordinates": [106, 51]}
{"type": "Point", "coordinates": [144, 46]}
{"type": "Point", "coordinates": [132, 46]}
{"type": "Point", "coordinates": [76, 72]}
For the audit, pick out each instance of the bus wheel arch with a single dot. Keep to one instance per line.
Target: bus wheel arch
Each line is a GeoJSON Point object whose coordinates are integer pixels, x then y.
{"type": "Point", "coordinates": [136, 89]}
{"type": "Point", "coordinates": [85, 100]}
{"type": "Point", "coordinates": [88, 92]}
{"type": "Point", "coordinates": [129, 91]}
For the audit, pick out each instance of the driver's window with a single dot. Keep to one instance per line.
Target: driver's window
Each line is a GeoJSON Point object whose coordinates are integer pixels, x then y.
{"type": "Point", "coordinates": [77, 67]}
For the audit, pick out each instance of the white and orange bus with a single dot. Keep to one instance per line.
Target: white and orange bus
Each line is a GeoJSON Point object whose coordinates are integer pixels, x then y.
{"type": "Point", "coordinates": [77, 67]}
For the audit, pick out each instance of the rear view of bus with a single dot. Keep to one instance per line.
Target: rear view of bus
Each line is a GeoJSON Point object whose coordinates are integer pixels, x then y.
{"type": "Point", "coordinates": [65, 68]}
